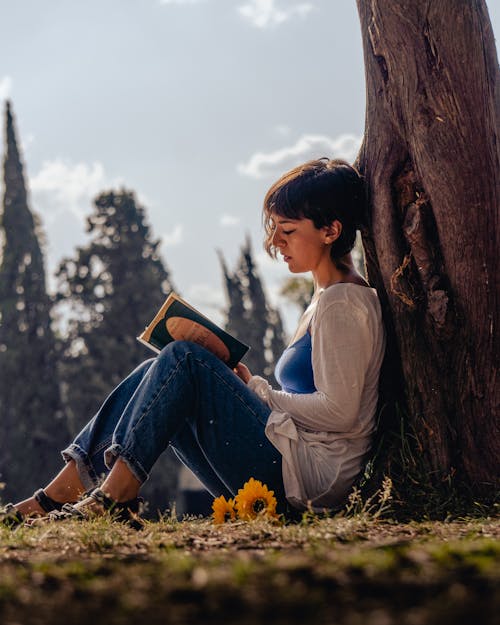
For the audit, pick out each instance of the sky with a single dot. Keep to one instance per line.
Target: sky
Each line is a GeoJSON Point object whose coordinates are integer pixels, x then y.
{"type": "Point", "coordinates": [196, 105]}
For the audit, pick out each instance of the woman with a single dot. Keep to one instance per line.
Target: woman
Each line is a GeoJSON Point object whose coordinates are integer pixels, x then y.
{"type": "Point", "coordinates": [306, 441]}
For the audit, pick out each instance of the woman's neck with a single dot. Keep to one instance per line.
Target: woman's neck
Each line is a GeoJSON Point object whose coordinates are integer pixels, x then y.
{"type": "Point", "coordinates": [343, 271]}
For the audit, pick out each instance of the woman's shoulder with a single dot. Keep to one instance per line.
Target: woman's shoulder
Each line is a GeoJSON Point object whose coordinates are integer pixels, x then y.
{"type": "Point", "coordinates": [348, 303]}
{"type": "Point", "coordinates": [348, 293]}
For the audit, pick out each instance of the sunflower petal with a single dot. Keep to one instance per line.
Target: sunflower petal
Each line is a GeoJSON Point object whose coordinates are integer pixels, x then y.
{"type": "Point", "coordinates": [223, 510]}
{"type": "Point", "coordinates": [255, 500]}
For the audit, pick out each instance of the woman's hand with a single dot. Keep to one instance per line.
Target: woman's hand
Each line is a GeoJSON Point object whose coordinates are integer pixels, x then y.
{"type": "Point", "coordinates": [243, 372]}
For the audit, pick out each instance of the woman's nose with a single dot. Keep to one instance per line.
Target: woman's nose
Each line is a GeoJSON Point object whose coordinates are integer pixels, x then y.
{"type": "Point", "coordinates": [277, 240]}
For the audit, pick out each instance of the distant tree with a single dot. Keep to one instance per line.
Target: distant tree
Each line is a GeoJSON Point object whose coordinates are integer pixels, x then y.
{"type": "Point", "coordinates": [298, 290]}
{"type": "Point", "coordinates": [249, 316]}
{"type": "Point", "coordinates": [32, 427]}
{"type": "Point", "coordinates": [111, 289]}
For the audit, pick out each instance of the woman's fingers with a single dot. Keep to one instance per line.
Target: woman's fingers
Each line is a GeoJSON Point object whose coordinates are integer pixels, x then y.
{"type": "Point", "coordinates": [243, 372]}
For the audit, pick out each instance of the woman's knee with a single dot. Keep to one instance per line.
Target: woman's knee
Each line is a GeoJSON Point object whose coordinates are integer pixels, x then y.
{"type": "Point", "coordinates": [193, 360]}
{"type": "Point", "coordinates": [179, 350]}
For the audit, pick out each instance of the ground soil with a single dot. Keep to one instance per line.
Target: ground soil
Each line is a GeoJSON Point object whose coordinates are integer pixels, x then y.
{"type": "Point", "coordinates": [347, 571]}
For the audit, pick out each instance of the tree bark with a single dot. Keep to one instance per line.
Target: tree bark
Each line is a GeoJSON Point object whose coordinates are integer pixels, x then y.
{"type": "Point", "coordinates": [430, 156]}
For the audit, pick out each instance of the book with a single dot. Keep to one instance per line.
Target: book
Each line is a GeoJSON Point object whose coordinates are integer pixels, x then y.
{"type": "Point", "coordinates": [179, 321]}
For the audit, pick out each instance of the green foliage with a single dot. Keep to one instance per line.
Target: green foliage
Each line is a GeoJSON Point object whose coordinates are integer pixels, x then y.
{"type": "Point", "coordinates": [32, 428]}
{"type": "Point", "coordinates": [250, 318]}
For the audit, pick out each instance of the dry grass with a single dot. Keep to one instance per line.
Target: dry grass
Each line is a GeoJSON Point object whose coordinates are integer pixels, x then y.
{"type": "Point", "coordinates": [357, 570]}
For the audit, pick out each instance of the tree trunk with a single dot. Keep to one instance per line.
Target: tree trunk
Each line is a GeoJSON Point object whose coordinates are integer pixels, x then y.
{"type": "Point", "coordinates": [431, 156]}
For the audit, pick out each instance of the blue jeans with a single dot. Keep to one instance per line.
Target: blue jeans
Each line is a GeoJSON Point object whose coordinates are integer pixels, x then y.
{"type": "Point", "coordinates": [186, 398]}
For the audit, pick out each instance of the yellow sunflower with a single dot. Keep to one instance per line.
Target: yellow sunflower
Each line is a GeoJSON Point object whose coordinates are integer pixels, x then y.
{"type": "Point", "coordinates": [223, 510]}
{"type": "Point", "coordinates": [255, 500]}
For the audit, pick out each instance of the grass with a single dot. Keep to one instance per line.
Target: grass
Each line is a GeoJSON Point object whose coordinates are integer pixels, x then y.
{"type": "Point", "coordinates": [353, 570]}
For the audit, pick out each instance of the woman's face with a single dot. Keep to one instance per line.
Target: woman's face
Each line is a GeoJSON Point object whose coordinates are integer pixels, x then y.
{"type": "Point", "coordinates": [303, 246]}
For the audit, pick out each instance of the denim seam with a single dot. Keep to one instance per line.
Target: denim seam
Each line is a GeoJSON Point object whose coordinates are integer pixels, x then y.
{"type": "Point", "coordinates": [134, 464]}
{"type": "Point", "coordinates": [118, 451]}
{"type": "Point", "coordinates": [104, 444]}
{"type": "Point", "coordinates": [83, 464]}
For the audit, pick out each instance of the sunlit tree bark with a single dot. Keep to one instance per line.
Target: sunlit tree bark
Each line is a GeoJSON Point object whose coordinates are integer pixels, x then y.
{"type": "Point", "coordinates": [430, 156]}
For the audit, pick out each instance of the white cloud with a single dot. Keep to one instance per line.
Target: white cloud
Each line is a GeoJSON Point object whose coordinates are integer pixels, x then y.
{"type": "Point", "coordinates": [5, 87]}
{"type": "Point", "coordinates": [265, 13]}
{"type": "Point", "coordinates": [174, 237]}
{"type": "Point", "coordinates": [229, 220]}
{"type": "Point", "coordinates": [61, 186]}
{"type": "Point", "coordinates": [307, 147]}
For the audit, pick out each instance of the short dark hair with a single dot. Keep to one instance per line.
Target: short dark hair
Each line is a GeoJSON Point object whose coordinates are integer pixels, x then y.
{"type": "Point", "coordinates": [322, 190]}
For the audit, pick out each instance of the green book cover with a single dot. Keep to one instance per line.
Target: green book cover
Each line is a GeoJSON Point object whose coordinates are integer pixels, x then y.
{"type": "Point", "coordinates": [178, 320]}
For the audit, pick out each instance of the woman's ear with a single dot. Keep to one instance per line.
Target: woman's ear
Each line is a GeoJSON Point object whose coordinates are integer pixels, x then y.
{"type": "Point", "coordinates": [333, 231]}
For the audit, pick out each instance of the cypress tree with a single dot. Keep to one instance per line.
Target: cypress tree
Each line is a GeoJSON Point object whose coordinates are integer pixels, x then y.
{"type": "Point", "coordinates": [249, 316]}
{"type": "Point", "coordinates": [235, 296]}
{"type": "Point", "coordinates": [32, 428]}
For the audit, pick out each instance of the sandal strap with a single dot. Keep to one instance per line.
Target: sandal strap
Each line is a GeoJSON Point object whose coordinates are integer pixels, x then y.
{"type": "Point", "coordinates": [10, 516]}
{"type": "Point", "coordinates": [46, 503]}
{"type": "Point", "coordinates": [125, 511]}
{"type": "Point", "coordinates": [113, 506]}
{"type": "Point", "coordinates": [105, 500]}
{"type": "Point", "coordinates": [67, 511]}
{"type": "Point", "coordinates": [122, 511]}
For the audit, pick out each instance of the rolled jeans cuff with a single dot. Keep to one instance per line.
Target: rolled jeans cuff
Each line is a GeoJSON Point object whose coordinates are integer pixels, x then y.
{"type": "Point", "coordinates": [86, 471]}
{"type": "Point", "coordinates": [116, 451]}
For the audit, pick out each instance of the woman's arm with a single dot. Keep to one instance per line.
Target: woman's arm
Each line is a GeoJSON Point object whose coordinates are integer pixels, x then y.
{"type": "Point", "coordinates": [341, 350]}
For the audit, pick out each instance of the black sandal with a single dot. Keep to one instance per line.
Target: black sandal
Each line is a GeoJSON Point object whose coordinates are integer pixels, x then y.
{"type": "Point", "coordinates": [11, 517]}
{"type": "Point", "coordinates": [122, 511]}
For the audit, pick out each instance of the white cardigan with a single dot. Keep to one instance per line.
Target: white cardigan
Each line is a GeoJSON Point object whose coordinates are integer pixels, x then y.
{"type": "Point", "coordinates": [324, 436]}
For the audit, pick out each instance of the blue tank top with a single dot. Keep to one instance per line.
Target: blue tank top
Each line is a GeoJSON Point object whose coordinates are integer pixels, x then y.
{"type": "Point", "coordinates": [294, 371]}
